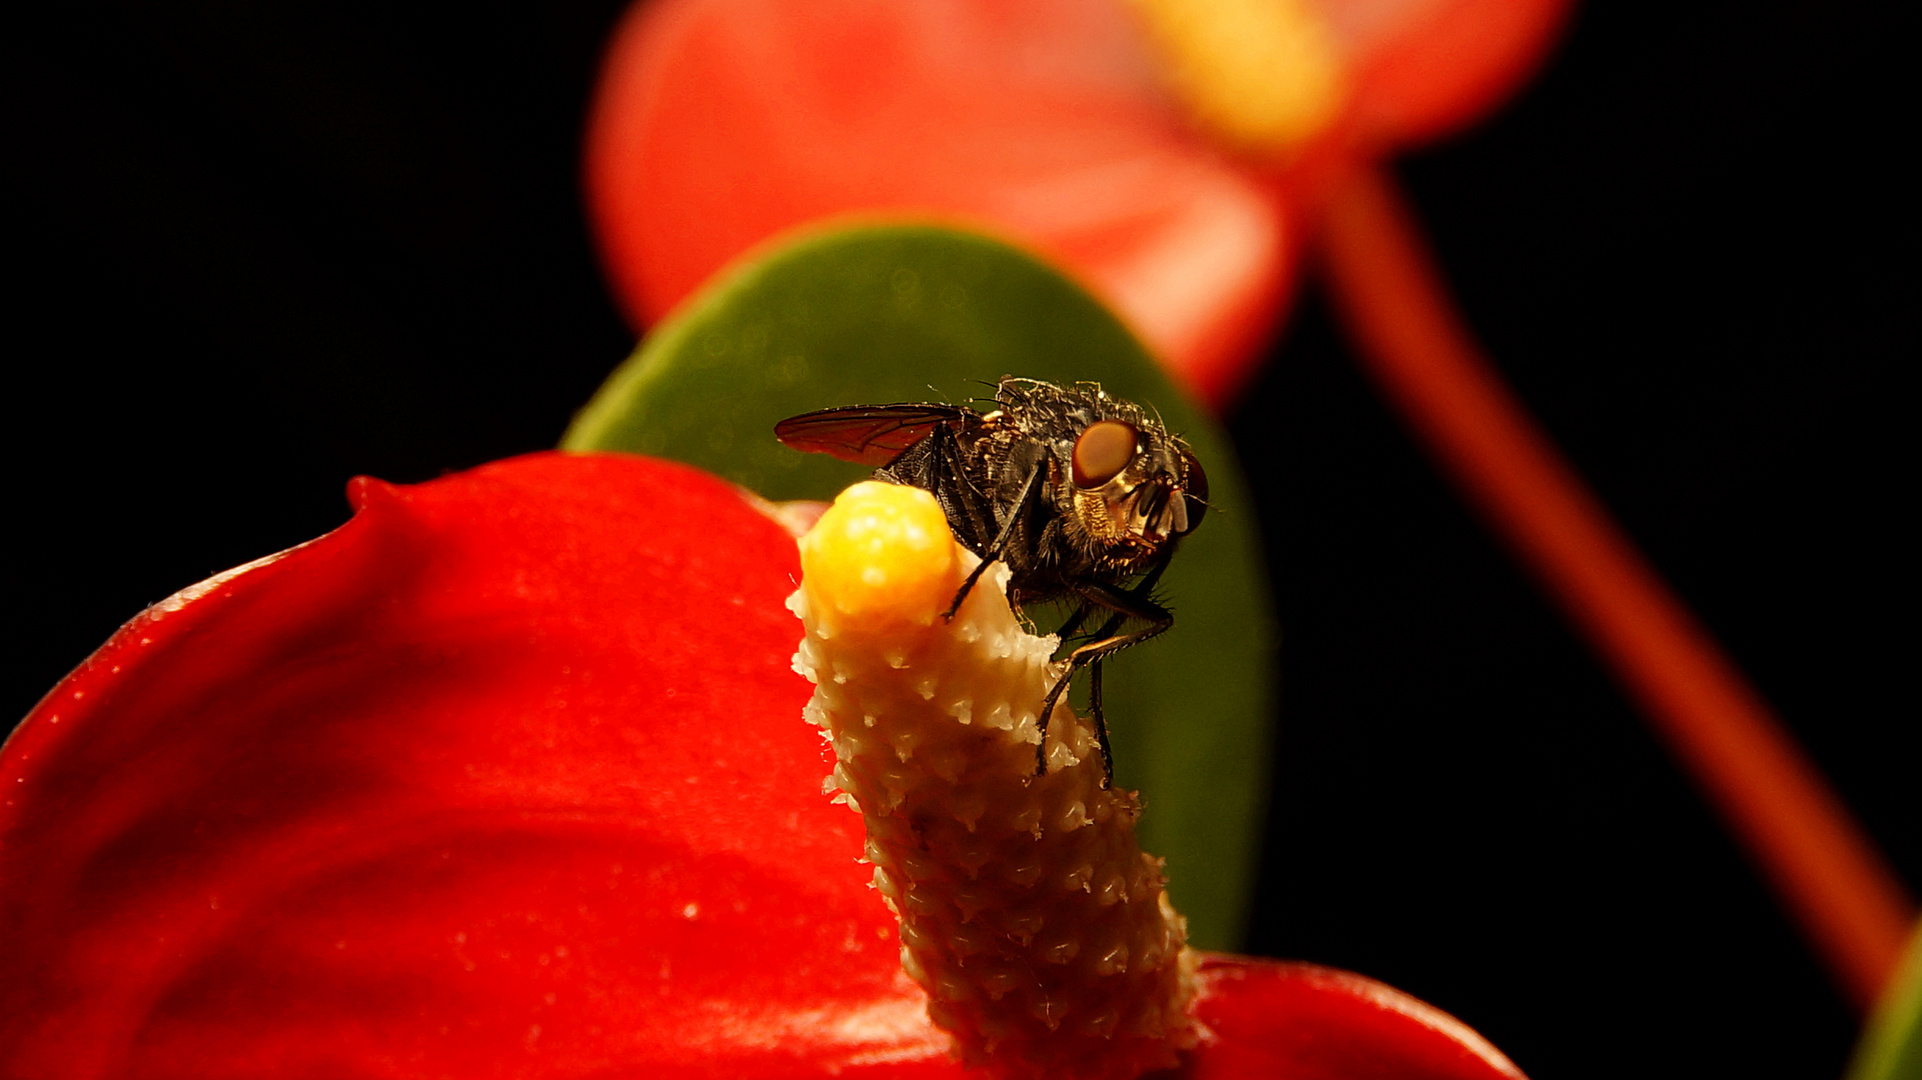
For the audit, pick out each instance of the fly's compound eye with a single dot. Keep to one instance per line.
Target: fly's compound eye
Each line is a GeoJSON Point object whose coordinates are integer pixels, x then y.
{"type": "Point", "coordinates": [1194, 489]}
{"type": "Point", "coordinates": [1103, 450]}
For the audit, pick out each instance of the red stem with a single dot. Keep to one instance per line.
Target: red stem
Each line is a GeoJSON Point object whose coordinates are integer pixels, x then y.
{"type": "Point", "coordinates": [1851, 907]}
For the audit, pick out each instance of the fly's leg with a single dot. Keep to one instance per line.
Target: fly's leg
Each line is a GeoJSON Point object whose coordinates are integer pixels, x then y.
{"type": "Point", "coordinates": [968, 585]}
{"type": "Point", "coordinates": [1100, 724]}
{"type": "Point", "coordinates": [1018, 512]}
{"type": "Point", "coordinates": [1081, 656]}
{"type": "Point", "coordinates": [1126, 605]}
{"type": "Point", "coordinates": [1074, 622]}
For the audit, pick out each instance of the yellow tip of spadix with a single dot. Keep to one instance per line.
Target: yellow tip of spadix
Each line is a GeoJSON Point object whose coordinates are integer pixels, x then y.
{"type": "Point", "coordinates": [881, 553]}
{"type": "Point", "coordinates": [1266, 75]}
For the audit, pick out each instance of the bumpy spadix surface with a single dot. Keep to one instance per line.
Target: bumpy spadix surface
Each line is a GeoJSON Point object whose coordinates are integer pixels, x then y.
{"type": "Point", "coordinates": [1029, 914]}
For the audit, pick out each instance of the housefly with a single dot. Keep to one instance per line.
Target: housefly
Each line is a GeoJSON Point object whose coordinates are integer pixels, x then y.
{"type": "Point", "coordinates": [1082, 495]}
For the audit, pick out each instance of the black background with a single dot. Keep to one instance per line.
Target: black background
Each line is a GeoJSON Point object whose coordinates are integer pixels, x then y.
{"type": "Point", "coordinates": [262, 248]}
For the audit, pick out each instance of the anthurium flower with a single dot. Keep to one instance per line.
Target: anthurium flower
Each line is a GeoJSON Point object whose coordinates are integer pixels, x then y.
{"type": "Point", "coordinates": [507, 776]}
{"type": "Point", "coordinates": [1056, 123]}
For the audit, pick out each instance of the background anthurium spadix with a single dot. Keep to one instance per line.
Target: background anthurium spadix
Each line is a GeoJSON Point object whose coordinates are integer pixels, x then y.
{"type": "Point", "coordinates": [505, 777]}
{"type": "Point", "coordinates": [721, 123]}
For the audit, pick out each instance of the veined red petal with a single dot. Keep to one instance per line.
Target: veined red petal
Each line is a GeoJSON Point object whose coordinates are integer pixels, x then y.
{"type": "Point", "coordinates": [505, 777]}
{"type": "Point", "coordinates": [722, 123]}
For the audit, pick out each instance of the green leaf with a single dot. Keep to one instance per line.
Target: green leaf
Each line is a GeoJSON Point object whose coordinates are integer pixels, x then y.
{"type": "Point", "coordinates": [882, 314]}
{"type": "Point", "coordinates": [1891, 1046]}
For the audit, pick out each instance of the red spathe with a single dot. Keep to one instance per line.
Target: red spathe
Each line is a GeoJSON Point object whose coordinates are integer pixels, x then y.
{"type": "Point", "coordinates": [505, 777]}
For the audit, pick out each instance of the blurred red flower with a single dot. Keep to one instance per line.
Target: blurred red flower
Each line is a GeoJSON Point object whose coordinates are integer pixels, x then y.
{"type": "Point", "coordinates": [722, 123]}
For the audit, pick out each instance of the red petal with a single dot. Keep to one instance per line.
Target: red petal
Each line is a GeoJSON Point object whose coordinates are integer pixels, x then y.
{"type": "Point", "coordinates": [504, 777]}
{"type": "Point", "coordinates": [1306, 1022]}
{"type": "Point", "coordinates": [721, 123]}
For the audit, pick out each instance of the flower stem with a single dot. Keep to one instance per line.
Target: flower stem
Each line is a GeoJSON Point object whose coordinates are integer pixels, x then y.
{"type": "Point", "coordinates": [1851, 907]}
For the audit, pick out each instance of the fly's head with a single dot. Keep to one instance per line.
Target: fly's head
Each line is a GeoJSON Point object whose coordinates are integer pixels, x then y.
{"type": "Point", "coordinates": [1121, 480]}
